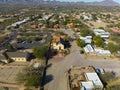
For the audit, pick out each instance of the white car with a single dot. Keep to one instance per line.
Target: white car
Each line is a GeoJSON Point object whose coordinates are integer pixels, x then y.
{"type": "Point", "coordinates": [102, 71]}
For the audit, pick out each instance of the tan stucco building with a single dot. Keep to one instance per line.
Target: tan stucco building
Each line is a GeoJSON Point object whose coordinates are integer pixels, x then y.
{"type": "Point", "coordinates": [58, 46]}
{"type": "Point", "coordinates": [14, 56]}
{"type": "Point", "coordinates": [18, 56]}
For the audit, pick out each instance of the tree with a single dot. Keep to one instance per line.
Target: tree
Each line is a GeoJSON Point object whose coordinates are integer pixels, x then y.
{"type": "Point", "coordinates": [107, 76]}
{"type": "Point", "coordinates": [108, 16]}
{"type": "Point", "coordinates": [81, 17]}
{"type": "Point", "coordinates": [33, 80]}
{"type": "Point", "coordinates": [112, 47]}
{"type": "Point", "coordinates": [9, 47]}
{"type": "Point", "coordinates": [5, 88]}
{"type": "Point", "coordinates": [94, 16]}
{"type": "Point", "coordinates": [80, 43]}
{"type": "Point", "coordinates": [31, 77]}
{"type": "Point", "coordinates": [118, 25]}
{"type": "Point", "coordinates": [98, 41]}
{"type": "Point", "coordinates": [115, 87]}
{"type": "Point", "coordinates": [84, 32]}
{"type": "Point", "coordinates": [31, 38]}
{"type": "Point", "coordinates": [40, 52]}
{"type": "Point", "coordinates": [101, 28]}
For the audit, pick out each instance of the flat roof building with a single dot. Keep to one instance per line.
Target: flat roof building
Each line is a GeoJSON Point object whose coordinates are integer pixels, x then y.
{"type": "Point", "coordinates": [84, 78]}
{"type": "Point", "coordinates": [101, 33]}
{"type": "Point", "coordinates": [87, 85]}
{"type": "Point", "coordinates": [88, 48]}
{"type": "Point", "coordinates": [95, 79]}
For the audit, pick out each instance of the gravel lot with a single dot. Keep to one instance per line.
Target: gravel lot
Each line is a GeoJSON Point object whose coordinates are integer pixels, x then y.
{"type": "Point", "coordinates": [56, 77]}
{"type": "Point", "coordinates": [8, 74]}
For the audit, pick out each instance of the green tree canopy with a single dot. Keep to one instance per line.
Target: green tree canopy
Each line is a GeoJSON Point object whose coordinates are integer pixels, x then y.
{"type": "Point", "coordinates": [40, 52]}
{"type": "Point", "coordinates": [112, 47]}
{"type": "Point", "coordinates": [31, 77]}
{"type": "Point", "coordinates": [84, 32]}
{"type": "Point", "coordinates": [33, 80]}
{"type": "Point", "coordinates": [98, 41]}
{"type": "Point", "coordinates": [80, 43]}
{"type": "Point", "coordinates": [94, 16]}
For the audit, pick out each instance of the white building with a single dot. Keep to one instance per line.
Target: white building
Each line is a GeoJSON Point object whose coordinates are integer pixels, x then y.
{"type": "Point", "coordinates": [20, 22]}
{"type": "Point", "coordinates": [102, 52]}
{"type": "Point", "coordinates": [87, 85]}
{"type": "Point", "coordinates": [95, 79]}
{"type": "Point", "coordinates": [85, 17]}
{"type": "Point", "coordinates": [87, 39]}
{"type": "Point", "coordinates": [101, 33]}
{"type": "Point", "coordinates": [88, 49]}
{"type": "Point", "coordinates": [58, 46]}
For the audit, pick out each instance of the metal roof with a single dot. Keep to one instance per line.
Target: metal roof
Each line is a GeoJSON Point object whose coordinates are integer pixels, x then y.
{"type": "Point", "coordinates": [94, 78]}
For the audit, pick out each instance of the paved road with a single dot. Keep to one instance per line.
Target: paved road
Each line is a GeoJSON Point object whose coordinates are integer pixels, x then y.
{"type": "Point", "coordinates": [55, 76]}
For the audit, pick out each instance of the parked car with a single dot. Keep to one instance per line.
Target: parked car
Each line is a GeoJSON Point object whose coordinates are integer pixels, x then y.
{"type": "Point", "coordinates": [97, 70]}
{"type": "Point", "coordinates": [100, 70]}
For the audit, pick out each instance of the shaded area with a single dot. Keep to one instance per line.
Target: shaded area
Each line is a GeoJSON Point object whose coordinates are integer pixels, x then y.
{"type": "Point", "coordinates": [48, 79]}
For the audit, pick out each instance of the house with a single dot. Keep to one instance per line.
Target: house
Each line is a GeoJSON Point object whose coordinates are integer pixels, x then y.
{"type": "Point", "coordinates": [102, 52]}
{"type": "Point", "coordinates": [85, 17]}
{"type": "Point", "coordinates": [14, 56]}
{"type": "Point", "coordinates": [101, 33]}
{"type": "Point", "coordinates": [20, 22]}
{"type": "Point", "coordinates": [83, 78]}
{"type": "Point", "coordinates": [87, 85]}
{"type": "Point", "coordinates": [56, 26]}
{"type": "Point", "coordinates": [116, 30]}
{"type": "Point", "coordinates": [34, 26]}
{"type": "Point", "coordinates": [58, 44]}
{"type": "Point", "coordinates": [70, 25]}
{"type": "Point", "coordinates": [88, 48]}
{"type": "Point", "coordinates": [87, 39]}
{"type": "Point", "coordinates": [18, 56]}
{"type": "Point", "coordinates": [118, 54]}
{"type": "Point", "coordinates": [95, 79]}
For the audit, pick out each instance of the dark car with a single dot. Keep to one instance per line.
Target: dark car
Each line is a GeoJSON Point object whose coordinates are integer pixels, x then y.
{"type": "Point", "coordinates": [81, 51]}
{"type": "Point", "coordinates": [97, 70]}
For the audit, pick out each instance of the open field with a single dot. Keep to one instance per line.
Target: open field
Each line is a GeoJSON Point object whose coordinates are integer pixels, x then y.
{"type": "Point", "coordinates": [8, 74]}
{"type": "Point", "coordinates": [97, 24]}
{"type": "Point", "coordinates": [2, 19]}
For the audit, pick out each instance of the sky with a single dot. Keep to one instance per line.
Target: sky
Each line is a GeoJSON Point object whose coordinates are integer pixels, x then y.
{"type": "Point", "coordinates": [86, 0]}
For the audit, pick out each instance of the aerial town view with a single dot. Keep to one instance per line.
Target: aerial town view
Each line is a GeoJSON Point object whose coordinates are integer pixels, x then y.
{"type": "Point", "coordinates": [59, 44]}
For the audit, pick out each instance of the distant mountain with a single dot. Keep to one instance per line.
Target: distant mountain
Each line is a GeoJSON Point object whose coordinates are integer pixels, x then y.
{"type": "Point", "coordinates": [102, 3]}
{"type": "Point", "coordinates": [20, 1]}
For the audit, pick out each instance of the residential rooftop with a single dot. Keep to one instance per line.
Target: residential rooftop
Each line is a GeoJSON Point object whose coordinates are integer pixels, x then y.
{"type": "Point", "coordinates": [16, 54]}
{"type": "Point", "coordinates": [84, 78]}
